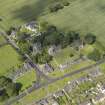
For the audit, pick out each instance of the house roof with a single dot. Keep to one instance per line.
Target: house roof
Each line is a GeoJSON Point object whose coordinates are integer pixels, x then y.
{"type": "Point", "coordinates": [85, 103]}
{"type": "Point", "coordinates": [32, 25]}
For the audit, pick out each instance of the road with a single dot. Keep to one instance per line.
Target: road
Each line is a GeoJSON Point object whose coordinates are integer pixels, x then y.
{"type": "Point", "coordinates": [40, 73]}
{"type": "Point", "coordinates": [34, 87]}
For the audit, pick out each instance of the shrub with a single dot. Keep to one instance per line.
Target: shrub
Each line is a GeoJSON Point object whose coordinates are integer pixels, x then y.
{"type": "Point", "coordinates": [95, 55]}
{"type": "Point", "coordinates": [66, 3]}
{"type": "Point", "coordinates": [90, 38]}
{"type": "Point", "coordinates": [56, 7]}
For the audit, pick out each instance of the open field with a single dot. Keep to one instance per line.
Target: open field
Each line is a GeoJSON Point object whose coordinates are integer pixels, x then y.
{"type": "Point", "coordinates": [2, 39]}
{"type": "Point", "coordinates": [83, 16]}
{"type": "Point", "coordinates": [63, 55]}
{"type": "Point", "coordinates": [9, 58]}
{"type": "Point", "coordinates": [20, 11]}
{"type": "Point", "coordinates": [27, 79]}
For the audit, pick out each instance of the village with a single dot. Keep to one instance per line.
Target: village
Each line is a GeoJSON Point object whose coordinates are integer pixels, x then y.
{"type": "Point", "coordinates": [52, 52]}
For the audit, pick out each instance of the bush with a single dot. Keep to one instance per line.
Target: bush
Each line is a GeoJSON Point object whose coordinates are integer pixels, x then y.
{"type": "Point", "coordinates": [95, 55]}
{"type": "Point", "coordinates": [90, 38]}
{"type": "Point", "coordinates": [66, 3]}
{"type": "Point", "coordinates": [56, 7]}
{"type": "Point", "coordinates": [42, 57]}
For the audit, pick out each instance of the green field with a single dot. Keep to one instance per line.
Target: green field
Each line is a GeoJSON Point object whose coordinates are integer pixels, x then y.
{"type": "Point", "coordinates": [8, 58]}
{"type": "Point", "coordinates": [63, 56]}
{"type": "Point", "coordinates": [27, 79]}
{"type": "Point", "coordinates": [17, 12]}
{"type": "Point", "coordinates": [84, 16]}
{"type": "Point", "coordinates": [2, 39]}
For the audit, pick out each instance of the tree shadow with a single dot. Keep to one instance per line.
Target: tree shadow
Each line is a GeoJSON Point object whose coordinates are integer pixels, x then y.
{"type": "Point", "coordinates": [31, 12]}
{"type": "Point", "coordinates": [18, 87]}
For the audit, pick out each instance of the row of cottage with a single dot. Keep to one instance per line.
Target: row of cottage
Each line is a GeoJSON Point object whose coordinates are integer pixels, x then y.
{"type": "Point", "coordinates": [100, 94]}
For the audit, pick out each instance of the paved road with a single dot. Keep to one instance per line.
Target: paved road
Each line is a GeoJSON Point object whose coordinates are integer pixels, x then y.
{"type": "Point", "coordinates": [88, 68]}
{"type": "Point", "coordinates": [50, 81]}
{"type": "Point", "coordinates": [37, 69]}
{"type": "Point", "coordinates": [34, 87]}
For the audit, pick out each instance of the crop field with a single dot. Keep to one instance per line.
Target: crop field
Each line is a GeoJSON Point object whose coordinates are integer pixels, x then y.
{"type": "Point", "coordinates": [9, 58]}
{"type": "Point", "coordinates": [84, 16]}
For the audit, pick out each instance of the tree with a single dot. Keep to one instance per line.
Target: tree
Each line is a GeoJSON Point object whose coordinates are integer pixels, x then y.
{"type": "Point", "coordinates": [53, 38]}
{"type": "Point", "coordinates": [95, 55]}
{"type": "Point", "coordinates": [42, 57]}
{"type": "Point", "coordinates": [24, 46]}
{"type": "Point", "coordinates": [8, 88]}
{"type": "Point", "coordinates": [66, 3]}
{"type": "Point", "coordinates": [4, 81]}
{"type": "Point", "coordinates": [3, 95]}
{"type": "Point", "coordinates": [90, 38]}
{"type": "Point", "coordinates": [55, 7]}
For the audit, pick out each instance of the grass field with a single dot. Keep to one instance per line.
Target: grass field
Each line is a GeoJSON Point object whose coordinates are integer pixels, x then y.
{"type": "Point", "coordinates": [2, 39]}
{"type": "Point", "coordinates": [27, 79]}
{"type": "Point", "coordinates": [64, 55]}
{"type": "Point", "coordinates": [17, 12]}
{"type": "Point", "coordinates": [83, 16]}
{"type": "Point", "coordinates": [8, 58]}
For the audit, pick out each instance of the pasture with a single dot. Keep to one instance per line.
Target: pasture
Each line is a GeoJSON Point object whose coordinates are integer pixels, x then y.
{"type": "Point", "coordinates": [84, 16]}
{"type": "Point", "coordinates": [17, 12]}
{"type": "Point", "coordinates": [9, 59]}
{"type": "Point", "coordinates": [27, 79]}
{"type": "Point", "coordinates": [2, 39]}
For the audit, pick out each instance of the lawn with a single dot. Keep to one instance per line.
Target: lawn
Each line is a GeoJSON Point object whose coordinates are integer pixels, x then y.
{"type": "Point", "coordinates": [27, 79]}
{"type": "Point", "coordinates": [9, 58]}
{"type": "Point", "coordinates": [84, 16]}
{"type": "Point", "coordinates": [63, 56]}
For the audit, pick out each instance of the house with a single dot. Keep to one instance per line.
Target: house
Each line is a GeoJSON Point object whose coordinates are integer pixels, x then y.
{"type": "Point", "coordinates": [48, 68]}
{"type": "Point", "coordinates": [62, 67]}
{"type": "Point", "coordinates": [101, 88]}
{"type": "Point", "coordinates": [42, 102]}
{"type": "Point", "coordinates": [36, 48]}
{"type": "Point", "coordinates": [82, 80]}
{"type": "Point", "coordinates": [70, 86]}
{"type": "Point", "coordinates": [13, 34]}
{"type": "Point", "coordinates": [52, 101]}
{"type": "Point", "coordinates": [95, 73]}
{"type": "Point", "coordinates": [52, 50]}
{"type": "Point", "coordinates": [99, 98]}
{"type": "Point", "coordinates": [32, 26]}
{"type": "Point", "coordinates": [85, 103]}
{"type": "Point", "coordinates": [59, 93]}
